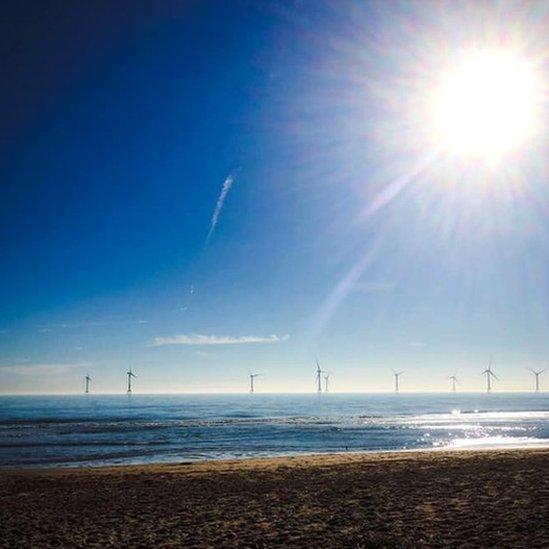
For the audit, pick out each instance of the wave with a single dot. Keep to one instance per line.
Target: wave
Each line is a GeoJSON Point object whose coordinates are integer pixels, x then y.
{"type": "Point", "coordinates": [132, 424]}
{"type": "Point", "coordinates": [83, 443]}
{"type": "Point", "coordinates": [245, 428]}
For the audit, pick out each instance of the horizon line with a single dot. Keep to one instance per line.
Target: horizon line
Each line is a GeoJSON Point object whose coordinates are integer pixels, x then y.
{"type": "Point", "coordinates": [282, 393]}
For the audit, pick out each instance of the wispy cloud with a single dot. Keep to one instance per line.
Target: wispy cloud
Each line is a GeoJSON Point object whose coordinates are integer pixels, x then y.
{"type": "Point", "coordinates": [40, 369]}
{"type": "Point", "coordinates": [227, 184]}
{"type": "Point", "coordinates": [198, 339]}
{"type": "Point", "coordinates": [57, 326]}
{"type": "Point", "coordinates": [46, 328]}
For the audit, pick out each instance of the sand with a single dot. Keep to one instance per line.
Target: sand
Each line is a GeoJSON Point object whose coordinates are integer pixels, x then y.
{"type": "Point", "coordinates": [422, 499]}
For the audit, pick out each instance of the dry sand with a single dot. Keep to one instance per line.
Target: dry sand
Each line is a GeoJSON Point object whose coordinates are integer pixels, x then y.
{"type": "Point", "coordinates": [436, 499]}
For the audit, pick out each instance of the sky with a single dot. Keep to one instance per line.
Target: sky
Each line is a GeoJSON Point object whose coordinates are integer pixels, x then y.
{"type": "Point", "coordinates": [198, 190]}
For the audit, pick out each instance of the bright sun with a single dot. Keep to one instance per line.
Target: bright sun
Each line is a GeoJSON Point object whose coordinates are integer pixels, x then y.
{"type": "Point", "coordinates": [486, 106]}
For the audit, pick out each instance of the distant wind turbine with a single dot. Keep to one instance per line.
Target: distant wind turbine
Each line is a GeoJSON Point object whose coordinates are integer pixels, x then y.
{"type": "Point", "coordinates": [454, 380]}
{"type": "Point", "coordinates": [87, 381]}
{"type": "Point", "coordinates": [489, 375]}
{"type": "Point", "coordinates": [130, 375]}
{"type": "Point", "coordinates": [252, 377]}
{"type": "Point", "coordinates": [397, 374]}
{"type": "Point", "coordinates": [537, 374]}
{"type": "Point", "coordinates": [326, 378]}
{"type": "Point", "coordinates": [319, 373]}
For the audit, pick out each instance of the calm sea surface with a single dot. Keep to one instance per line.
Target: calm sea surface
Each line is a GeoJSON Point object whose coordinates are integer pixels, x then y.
{"type": "Point", "coordinates": [101, 430]}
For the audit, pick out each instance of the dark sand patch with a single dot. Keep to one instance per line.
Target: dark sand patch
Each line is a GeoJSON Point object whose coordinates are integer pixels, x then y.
{"type": "Point", "coordinates": [436, 499]}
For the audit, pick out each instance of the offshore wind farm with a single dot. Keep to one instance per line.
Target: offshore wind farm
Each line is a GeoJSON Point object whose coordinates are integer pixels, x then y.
{"type": "Point", "coordinates": [322, 377]}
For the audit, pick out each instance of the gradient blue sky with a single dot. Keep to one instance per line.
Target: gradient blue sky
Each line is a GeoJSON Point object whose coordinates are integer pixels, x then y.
{"type": "Point", "coordinates": [344, 234]}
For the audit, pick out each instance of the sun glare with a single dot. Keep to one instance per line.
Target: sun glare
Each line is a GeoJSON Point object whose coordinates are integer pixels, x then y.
{"type": "Point", "coordinates": [486, 106]}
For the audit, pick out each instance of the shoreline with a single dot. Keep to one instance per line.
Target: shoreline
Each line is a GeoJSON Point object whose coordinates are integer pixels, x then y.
{"type": "Point", "coordinates": [542, 446]}
{"type": "Point", "coordinates": [315, 458]}
{"type": "Point", "coordinates": [405, 499]}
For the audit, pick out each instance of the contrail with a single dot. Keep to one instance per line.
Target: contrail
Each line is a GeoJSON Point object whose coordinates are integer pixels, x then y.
{"type": "Point", "coordinates": [227, 184]}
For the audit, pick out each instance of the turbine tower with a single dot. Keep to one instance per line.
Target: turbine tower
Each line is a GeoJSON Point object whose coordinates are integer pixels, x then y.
{"type": "Point", "coordinates": [537, 374]}
{"type": "Point", "coordinates": [130, 375]}
{"type": "Point", "coordinates": [318, 378]}
{"type": "Point", "coordinates": [454, 381]}
{"type": "Point", "coordinates": [489, 375]}
{"type": "Point", "coordinates": [252, 377]}
{"type": "Point", "coordinates": [326, 378]}
{"type": "Point", "coordinates": [397, 374]}
{"type": "Point", "coordinates": [87, 380]}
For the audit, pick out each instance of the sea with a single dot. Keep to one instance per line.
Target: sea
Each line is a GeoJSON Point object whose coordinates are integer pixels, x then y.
{"type": "Point", "coordinates": [98, 430]}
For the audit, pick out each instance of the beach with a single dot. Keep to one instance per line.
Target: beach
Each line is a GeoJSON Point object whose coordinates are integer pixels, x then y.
{"type": "Point", "coordinates": [496, 498]}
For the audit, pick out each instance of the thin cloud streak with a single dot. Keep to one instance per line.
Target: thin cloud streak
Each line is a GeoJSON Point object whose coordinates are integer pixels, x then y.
{"type": "Point", "coordinates": [227, 185]}
{"type": "Point", "coordinates": [47, 328]}
{"type": "Point", "coordinates": [199, 339]}
{"type": "Point", "coordinates": [40, 369]}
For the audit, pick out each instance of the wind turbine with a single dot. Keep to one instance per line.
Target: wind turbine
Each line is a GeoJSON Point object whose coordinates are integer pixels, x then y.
{"type": "Point", "coordinates": [252, 377]}
{"type": "Point", "coordinates": [489, 376]}
{"type": "Point", "coordinates": [87, 380]}
{"type": "Point", "coordinates": [454, 381]}
{"type": "Point", "coordinates": [397, 374]}
{"type": "Point", "coordinates": [537, 374]}
{"type": "Point", "coordinates": [319, 373]}
{"type": "Point", "coordinates": [130, 375]}
{"type": "Point", "coordinates": [326, 378]}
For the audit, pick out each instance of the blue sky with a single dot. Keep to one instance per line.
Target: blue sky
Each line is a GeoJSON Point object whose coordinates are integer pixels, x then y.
{"type": "Point", "coordinates": [343, 234]}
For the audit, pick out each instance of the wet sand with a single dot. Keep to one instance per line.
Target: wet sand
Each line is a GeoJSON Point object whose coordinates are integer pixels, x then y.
{"type": "Point", "coordinates": [423, 499]}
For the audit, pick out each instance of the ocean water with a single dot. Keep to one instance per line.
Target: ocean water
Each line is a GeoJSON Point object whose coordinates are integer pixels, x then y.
{"type": "Point", "coordinates": [121, 429]}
